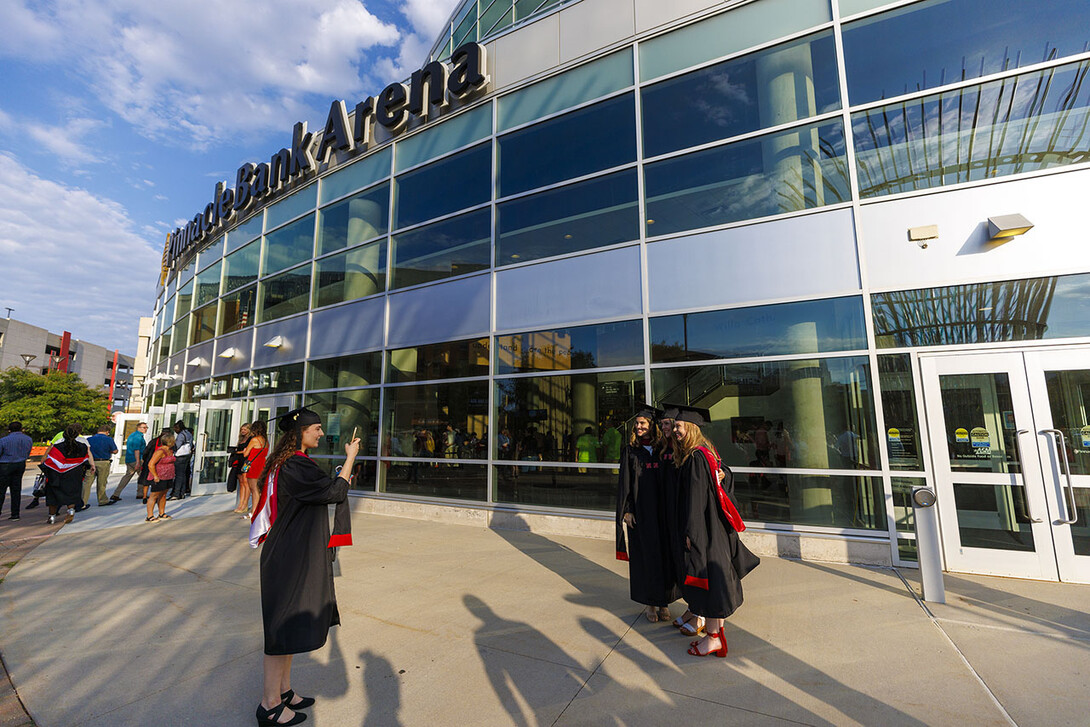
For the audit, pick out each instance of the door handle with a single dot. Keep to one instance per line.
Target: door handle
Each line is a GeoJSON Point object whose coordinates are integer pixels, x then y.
{"type": "Point", "coordinates": [1069, 491]}
{"type": "Point", "coordinates": [1022, 464]}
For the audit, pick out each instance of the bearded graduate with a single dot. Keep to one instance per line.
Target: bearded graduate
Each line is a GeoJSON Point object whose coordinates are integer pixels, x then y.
{"type": "Point", "coordinates": [642, 508]}
{"type": "Point", "coordinates": [298, 604]}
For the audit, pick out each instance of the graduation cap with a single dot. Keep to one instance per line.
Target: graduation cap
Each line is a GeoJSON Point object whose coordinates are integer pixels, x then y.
{"type": "Point", "coordinates": [670, 411]}
{"type": "Point", "coordinates": [301, 417]}
{"type": "Point", "coordinates": [693, 415]}
{"type": "Point", "coordinates": [649, 412]}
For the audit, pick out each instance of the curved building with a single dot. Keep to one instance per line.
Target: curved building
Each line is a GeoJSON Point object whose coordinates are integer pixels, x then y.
{"type": "Point", "coordinates": [849, 228]}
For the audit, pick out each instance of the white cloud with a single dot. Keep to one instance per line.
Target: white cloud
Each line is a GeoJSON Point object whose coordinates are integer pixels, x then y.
{"type": "Point", "coordinates": [74, 261]}
{"type": "Point", "coordinates": [426, 19]}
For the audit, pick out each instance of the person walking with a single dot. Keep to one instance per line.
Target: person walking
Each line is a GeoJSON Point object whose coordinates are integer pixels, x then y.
{"type": "Point", "coordinates": [298, 602]}
{"type": "Point", "coordinates": [103, 449]}
{"type": "Point", "coordinates": [716, 560]}
{"type": "Point", "coordinates": [253, 463]}
{"type": "Point", "coordinates": [134, 459]}
{"type": "Point", "coordinates": [162, 471]}
{"type": "Point", "coordinates": [14, 450]}
{"type": "Point", "coordinates": [64, 466]}
{"type": "Point", "coordinates": [641, 508]}
{"type": "Point", "coordinates": [183, 453]}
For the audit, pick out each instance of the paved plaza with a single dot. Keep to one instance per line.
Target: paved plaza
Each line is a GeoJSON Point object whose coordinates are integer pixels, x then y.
{"type": "Point", "coordinates": [112, 621]}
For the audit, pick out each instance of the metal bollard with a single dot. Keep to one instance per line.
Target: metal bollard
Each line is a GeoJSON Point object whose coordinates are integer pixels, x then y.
{"type": "Point", "coordinates": [928, 546]}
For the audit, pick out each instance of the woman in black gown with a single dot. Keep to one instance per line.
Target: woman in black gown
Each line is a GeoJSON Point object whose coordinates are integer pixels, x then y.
{"type": "Point", "coordinates": [642, 507]}
{"type": "Point", "coordinates": [298, 603]}
{"type": "Point", "coordinates": [64, 466]}
{"type": "Point", "coordinates": [715, 559]}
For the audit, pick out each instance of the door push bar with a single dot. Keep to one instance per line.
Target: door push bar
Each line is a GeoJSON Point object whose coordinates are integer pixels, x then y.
{"type": "Point", "coordinates": [1022, 464]}
{"type": "Point", "coordinates": [1069, 490]}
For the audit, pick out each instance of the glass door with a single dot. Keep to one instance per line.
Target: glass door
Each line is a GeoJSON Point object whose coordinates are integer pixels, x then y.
{"type": "Point", "coordinates": [217, 429]}
{"type": "Point", "coordinates": [268, 408]}
{"type": "Point", "coordinates": [1009, 482]}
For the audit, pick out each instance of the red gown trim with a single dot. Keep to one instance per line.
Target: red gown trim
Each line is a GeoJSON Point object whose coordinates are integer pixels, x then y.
{"type": "Point", "coordinates": [698, 582]}
{"type": "Point", "coordinates": [338, 540]}
{"type": "Point", "coordinates": [621, 555]}
{"type": "Point", "coordinates": [725, 504]}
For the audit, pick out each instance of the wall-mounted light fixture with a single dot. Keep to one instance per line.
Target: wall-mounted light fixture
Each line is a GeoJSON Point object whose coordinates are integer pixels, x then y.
{"type": "Point", "coordinates": [228, 352]}
{"type": "Point", "coordinates": [274, 342]}
{"type": "Point", "coordinates": [1005, 227]}
{"type": "Point", "coordinates": [922, 235]}
{"type": "Point", "coordinates": [195, 362]}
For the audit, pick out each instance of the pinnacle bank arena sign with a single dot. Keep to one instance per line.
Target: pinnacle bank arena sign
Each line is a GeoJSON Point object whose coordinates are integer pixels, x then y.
{"type": "Point", "coordinates": [435, 85]}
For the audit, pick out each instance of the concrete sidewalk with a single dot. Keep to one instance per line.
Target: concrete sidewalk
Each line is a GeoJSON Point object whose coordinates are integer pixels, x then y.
{"type": "Point", "coordinates": [444, 624]}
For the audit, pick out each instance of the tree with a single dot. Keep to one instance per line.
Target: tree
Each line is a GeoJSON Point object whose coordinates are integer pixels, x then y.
{"type": "Point", "coordinates": [46, 403]}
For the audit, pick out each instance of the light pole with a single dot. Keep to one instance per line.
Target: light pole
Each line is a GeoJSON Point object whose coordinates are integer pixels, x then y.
{"type": "Point", "coordinates": [27, 357]}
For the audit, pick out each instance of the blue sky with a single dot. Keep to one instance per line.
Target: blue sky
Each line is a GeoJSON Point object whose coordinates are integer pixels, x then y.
{"type": "Point", "coordinates": [117, 117]}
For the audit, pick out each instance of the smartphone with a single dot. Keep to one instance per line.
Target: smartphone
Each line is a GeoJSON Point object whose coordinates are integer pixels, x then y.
{"type": "Point", "coordinates": [354, 430]}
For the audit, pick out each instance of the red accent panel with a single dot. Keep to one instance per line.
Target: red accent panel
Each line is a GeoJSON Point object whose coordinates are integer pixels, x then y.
{"type": "Point", "coordinates": [697, 582]}
{"type": "Point", "coordinates": [621, 555]}
{"type": "Point", "coordinates": [725, 504]}
{"type": "Point", "coordinates": [340, 540]}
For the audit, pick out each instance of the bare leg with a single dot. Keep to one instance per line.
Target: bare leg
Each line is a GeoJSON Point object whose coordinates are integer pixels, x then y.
{"type": "Point", "coordinates": [277, 672]}
{"type": "Point", "coordinates": [243, 493]}
{"type": "Point", "coordinates": [151, 505]}
{"type": "Point", "coordinates": [161, 500]}
{"type": "Point", "coordinates": [285, 681]}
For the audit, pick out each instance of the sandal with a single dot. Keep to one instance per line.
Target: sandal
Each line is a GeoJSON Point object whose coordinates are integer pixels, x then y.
{"type": "Point", "coordinates": [664, 613]}
{"type": "Point", "coordinates": [689, 629]}
{"type": "Point", "coordinates": [269, 717]}
{"type": "Point", "coordinates": [164, 516]}
{"type": "Point", "coordinates": [650, 614]}
{"type": "Point", "coordinates": [694, 648]}
{"type": "Point", "coordinates": [150, 519]}
{"type": "Point", "coordinates": [680, 620]}
{"type": "Point", "coordinates": [303, 702]}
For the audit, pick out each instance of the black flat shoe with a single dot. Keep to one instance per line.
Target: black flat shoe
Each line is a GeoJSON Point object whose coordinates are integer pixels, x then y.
{"type": "Point", "coordinates": [268, 717]}
{"type": "Point", "coordinates": [303, 702]}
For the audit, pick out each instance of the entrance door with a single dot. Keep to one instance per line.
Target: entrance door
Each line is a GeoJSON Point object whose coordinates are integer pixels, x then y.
{"type": "Point", "coordinates": [217, 429]}
{"type": "Point", "coordinates": [1005, 503]}
{"type": "Point", "coordinates": [268, 408]}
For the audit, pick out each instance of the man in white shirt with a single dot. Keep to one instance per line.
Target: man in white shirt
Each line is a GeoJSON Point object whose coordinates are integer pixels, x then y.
{"type": "Point", "coordinates": [183, 453]}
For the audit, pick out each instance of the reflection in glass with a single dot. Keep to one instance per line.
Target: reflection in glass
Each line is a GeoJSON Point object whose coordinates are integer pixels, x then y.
{"type": "Point", "coordinates": [979, 420]}
{"type": "Point", "coordinates": [164, 345]}
{"type": "Point", "coordinates": [357, 273]}
{"type": "Point", "coordinates": [451, 360]}
{"type": "Point", "coordinates": [446, 136]}
{"type": "Point", "coordinates": [924, 45]}
{"type": "Point", "coordinates": [837, 501]}
{"type": "Point", "coordinates": [363, 473]}
{"type": "Point", "coordinates": [354, 220]}
{"type": "Point", "coordinates": [290, 207]}
{"type": "Point", "coordinates": [581, 488]}
{"type": "Point", "coordinates": [453, 247]}
{"type": "Point", "coordinates": [580, 142]}
{"type": "Point", "coordinates": [774, 86]}
{"type": "Point", "coordinates": [213, 468]}
{"type": "Point", "coordinates": [343, 412]}
{"type": "Point", "coordinates": [813, 326]}
{"type": "Point", "coordinates": [285, 294]}
{"type": "Point", "coordinates": [211, 254]}
{"type": "Point", "coordinates": [363, 369]}
{"type": "Point", "coordinates": [1015, 125]}
{"type": "Point", "coordinates": [242, 234]}
{"type": "Point", "coordinates": [1012, 310]}
{"type": "Point", "coordinates": [456, 481]}
{"type": "Point", "coordinates": [993, 516]}
{"type": "Point", "coordinates": [543, 416]}
{"type": "Point", "coordinates": [204, 324]}
{"type": "Point", "coordinates": [240, 268]}
{"type": "Point", "coordinates": [183, 301]}
{"type": "Point", "coordinates": [448, 185]}
{"type": "Point", "coordinates": [1069, 402]}
{"type": "Point", "coordinates": [595, 213]}
{"type": "Point", "coordinates": [289, 245]}
{"type": "Point", "coordinates": [783, 172]}
{"type": "Point", "coordinates": [899, 409]}
{"type": "Point", "coordinates": [237, 310]}
{"type": "Point", "coordinates": [357, 175]}
{"type": "Point", "coordinates": [814, 413]}
{"type": "Point", "coordinates": [436, 420]}
{"type": "Point", "coordinates": [1080, 531]}
{"type": "Point", "coordinates": [207, 285]}
{"type": "Point", "coordinates": [903, 513]}
{"type": "Point", "coordinates": [579, 347]}
{"type": "Point", "coordinates": [180, 337]}
{"type": "Point", "coordinates": [276, 380]}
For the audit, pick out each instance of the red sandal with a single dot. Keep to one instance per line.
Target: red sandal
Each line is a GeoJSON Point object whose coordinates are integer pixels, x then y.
{"type": "Point", "coordinates": [720, 652]}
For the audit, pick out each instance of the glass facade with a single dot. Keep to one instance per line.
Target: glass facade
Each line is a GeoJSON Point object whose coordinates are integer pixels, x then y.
{"type": "Point", "coordinates": [731, 127]}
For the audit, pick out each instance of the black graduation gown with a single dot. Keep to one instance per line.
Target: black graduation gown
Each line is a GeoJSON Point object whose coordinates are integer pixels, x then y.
{"type": "Point", "coordinates": [652, 577]}
{"type": "Point", "coordinates": [675, 538]}
{"type": "Point", "coordinates": [66, 488]}
{"type": "Point", "coordinates": [298, 604]}
{"type": "Point", "coordinates": [716, 560]}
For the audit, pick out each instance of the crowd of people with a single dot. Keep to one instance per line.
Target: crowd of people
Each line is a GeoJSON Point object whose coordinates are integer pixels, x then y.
{"type": "Point", "coordinates": [678, 525]}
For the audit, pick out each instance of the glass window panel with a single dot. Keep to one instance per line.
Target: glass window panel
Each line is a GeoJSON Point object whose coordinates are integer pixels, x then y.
{"type": "Point", "coordinates": [285, 294]}
{"type": "Point", "coordinates": [526, 8]}
{"type": "Point", "coordinates": [168, 314]}
{"type": "Point", "coordinates": [278, 379]}
{"type": "Point", "coordinates": [1013, 310]}
{"type": "Point", "coordinates": [771, 87]}
{"type": "Point", "coordinates": [343, 412]}
{"type": "Point", "coordinates": [904, 515]}
{"type": "Point", "coordinates": [453, 247]}
{"type": "Point", "coordinates": [783, 172]}
{"type": "Point", "coordinates": [730, 32]}
{"type": "Point", "coordinates": [356, 273]}
{"type": "Point", "coordinates": [993, 517]}
{"type": "Point", "coordinates": [180, 335]}
{"type": "Point", "coordinates": [204, 324]}
{"type": "Point", "coordinates": [164, 345]}
{"type": "Point", "coordinates": [187, 272]}
{"type": "Point", "coordinates": [854, 7]}
{"type": "Point", "coordinates": [174, 395]}
{"type": "Point", "coordinates": [543, 416]}
{"type": "Point", "coordinates": [492, 14]}
{"type": "Point", "coordinates": [241, 267]}
{"type": "Point", "coordinates": [438, 139]}
{"type": "Point", "coordinates": [814, 413]}
{"type": "Point", "coordinates": [580, 142]}
{"type": "Point", "coordinates": [289, 245]}
{"type": "Point", "coordinates": [355, 220]}
{"type": "Point", "coordinates": [208, 285]}
{"type": "Point", "coordinates": [445, 186]}
{"type": "Point", "coordinates": [837, 501]}
{"type": "Point", "coordinates": [183, 301]}
{"type": "Point", "coordinates": [579, 347]}
{"type": "Point", "coordinates": [1069, 402]}
{"type": "Point", "coordinates": [451, 414]}
{"type": "Point", "coordinates": [1011, 126]}
{"type": "Point", "coordinates": [237, 310]}
{"type": "Point", "coordinates": [242, 234]}
{"type": "Point", "coordinates": [342, 372]}
{"type": "Point", "coordinates": [595, 213]}
{"type": "Point", "coordinates": [579, 85]}
{"type": "Point", "coordinates": [466, 29]}
{"type": "Point", "coordinates": [582, 488]}
{"type": "Point", "coordinates": [291, 207]}
{"type": "Point", "coordinates": [359, 174]}
{"type": "Point", "coordinates": [979, 419]}
{"type": "Point", "coordinates": [454, 359]}
{"type": "Point", "coordinates": [899, 410]}
{"type": "Point", "coordinates": [930, 44]}
{"type": "Point", "coordinates": [211, 254]}
{"type": "Point", "coordinates": [455, 481]}
{"type": "Point", "coordinates": [813, 326]}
